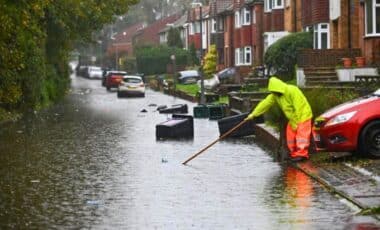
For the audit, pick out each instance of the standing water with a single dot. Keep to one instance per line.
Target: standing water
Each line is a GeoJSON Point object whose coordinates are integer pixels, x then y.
{"type": "Point", "coordinates": [93, 161]}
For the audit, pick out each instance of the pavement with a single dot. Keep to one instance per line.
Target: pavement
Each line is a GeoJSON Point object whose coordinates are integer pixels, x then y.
{"type": "Point", "coordinates": [355, 179]}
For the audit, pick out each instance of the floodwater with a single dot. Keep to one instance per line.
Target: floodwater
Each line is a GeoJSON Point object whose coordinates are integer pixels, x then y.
{"type": "Point", "coordinates": [93, 162]}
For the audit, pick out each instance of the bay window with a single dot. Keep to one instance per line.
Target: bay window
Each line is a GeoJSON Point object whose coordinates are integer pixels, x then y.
{"type": "Point", "coordinates": [372, 17]}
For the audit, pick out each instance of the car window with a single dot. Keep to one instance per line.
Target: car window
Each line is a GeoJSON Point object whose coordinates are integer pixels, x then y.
{"type": "Point", "coordinates": [132, 80]}
{"type": "Point", "coordinates": [377, 92]}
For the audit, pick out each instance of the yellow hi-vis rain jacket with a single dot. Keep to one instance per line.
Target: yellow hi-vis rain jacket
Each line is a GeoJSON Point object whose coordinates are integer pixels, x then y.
{"type": "Point", "coordinates": [291, 101]}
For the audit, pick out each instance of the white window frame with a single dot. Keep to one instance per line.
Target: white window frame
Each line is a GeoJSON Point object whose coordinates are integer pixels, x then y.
{"type": "Point", "coordinates": [237, 19]}
{"type": "Point", "coordinates": [237, 56]}
{"type": "Point", "coordinates": [213, 25]}
{"type": "Point", "coordinates": [247, 55]}
{"type": "Point", "coordinates": [375, 6]}
{"type": "Point", "coordinates": [278, 4]}
{"type": "Point", "coordinates": [245, 17]}
{"type": "Point", "coordinates": [318, 31]}
{"type": "Point", "coordinates": [191, 28]}
{"type": "Point", "coordinates": [243, 56]}
{"type": "Point", "coordinates": [268, 5]}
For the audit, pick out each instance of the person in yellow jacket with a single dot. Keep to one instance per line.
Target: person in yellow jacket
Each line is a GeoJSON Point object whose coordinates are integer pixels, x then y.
{"type": "Point", "coordinates": [296, 109]}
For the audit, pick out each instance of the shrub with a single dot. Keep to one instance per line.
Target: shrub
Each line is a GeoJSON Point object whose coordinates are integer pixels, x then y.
{"type": "Point", "coordinates": [210, 59]}
{"type": "Point", "coordinates": [154, 59]}
{"type": "Point", "coordinates": [281, 57]}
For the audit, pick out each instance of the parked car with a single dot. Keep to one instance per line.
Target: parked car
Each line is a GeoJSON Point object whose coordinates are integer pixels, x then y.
{"type": "Point", "coordinates": [209, 84]}
{"type": "Point", "coordinates": [81, 70]}
{"type": "Point", "coordinates": [188, 76]}
{"type": "Point", "coordinates": [350, 127]}
{"type": "Point", "coordinates": [131, 85]}
{"type": "Point", "coordinates": [94, 72]}
{"type": "Point", "coordinates": [110, 79]}
{"type": "Point", "coordinates": [227, 75]}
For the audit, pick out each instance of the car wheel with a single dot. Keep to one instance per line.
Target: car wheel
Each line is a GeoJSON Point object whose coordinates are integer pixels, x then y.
{"type": "Point", "coordinates": [119, 94]}
{"type": "Point", "coordinates": [369, 142]}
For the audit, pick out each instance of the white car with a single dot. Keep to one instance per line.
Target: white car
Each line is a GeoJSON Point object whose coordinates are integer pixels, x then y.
{"type": "Point", "coordinates": [94, 72]}
{"type": "Point", "coordinates": [131, 85]}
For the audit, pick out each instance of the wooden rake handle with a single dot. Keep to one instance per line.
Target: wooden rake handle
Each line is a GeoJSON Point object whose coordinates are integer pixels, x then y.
{"type": "Point", "coordinates": [212, 143]}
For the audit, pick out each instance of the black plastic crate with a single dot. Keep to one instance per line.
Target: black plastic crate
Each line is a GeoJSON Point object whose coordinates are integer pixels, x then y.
{"type": "Point", "coordinates": [180, 126]}
{"type": "Point", "coordinates": [217, 111]}
{"type": "Point", "coordinates": [228, 123]}
{"type": "Point", "coordinates": [180, 108]}
{"type": "Point", "coordinates": [201, 111]}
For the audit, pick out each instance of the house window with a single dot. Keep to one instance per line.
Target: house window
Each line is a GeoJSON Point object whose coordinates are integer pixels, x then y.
{"type": "Point", "coordinates": [247, 55]}
{"type": "Point", "coordinates": [253, 16]}
{"type": "Point", "coordinates": [243, 56]}
{"type": "Point", "coordinates": [196, 27]}
{"type": "Point", "coordinates": [220, 24]}
{"type": "Point", "coordinates": [321, 36]}
{"type": "Point", "coordinates": [213, 25]}
{"type": "Point", "coordinates": [246, 17]}
{"type": "Point", "coordinates": [372, 17]}
{"type": "Point", "coordinates": [278, 4]}
{"type": "Point", "coordinates": [237, 19]}
{"type": "Point", "coordinates": [237, 56]}
{"type": "Point", "coordinates": [268, 5]}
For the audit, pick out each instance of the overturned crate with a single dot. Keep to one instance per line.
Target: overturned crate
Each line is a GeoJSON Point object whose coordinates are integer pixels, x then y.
{"type": "Point", "coordinates": [179, 108]}
{"type": "Point", "coordinates": [180, 126]}
{"type": "Point", "coordinates": [230, 122]}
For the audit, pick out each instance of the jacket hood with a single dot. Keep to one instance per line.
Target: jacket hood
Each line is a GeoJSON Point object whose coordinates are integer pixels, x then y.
{"type": "Point", "coordinates": [276, 85]}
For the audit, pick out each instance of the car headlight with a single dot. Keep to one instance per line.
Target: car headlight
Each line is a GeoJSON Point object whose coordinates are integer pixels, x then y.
{"type": "Point", "coordinates": [340, 118]}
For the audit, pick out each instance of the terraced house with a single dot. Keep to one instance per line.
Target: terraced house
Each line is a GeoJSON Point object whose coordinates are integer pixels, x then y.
{"type": "Point", "coordinates": [242, 30]}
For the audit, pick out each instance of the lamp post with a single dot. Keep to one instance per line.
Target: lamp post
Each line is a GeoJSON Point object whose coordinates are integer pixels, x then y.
{"type": "Point", "coordinates": [202, 99]}
{"type": "Point", "coordinates": [172, 57]}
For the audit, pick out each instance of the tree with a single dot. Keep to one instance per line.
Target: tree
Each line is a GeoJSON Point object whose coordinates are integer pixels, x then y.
{"type": "Point", "coordinates": [36, 37]}
{"type": "Point", "coordinates": [174, 38]}
{"type": "Point", "coordinates": [210, 60]}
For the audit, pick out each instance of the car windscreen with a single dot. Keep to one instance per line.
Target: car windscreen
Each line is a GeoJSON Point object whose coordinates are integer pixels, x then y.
{"type": "Point", "coordinates": [132, 80]}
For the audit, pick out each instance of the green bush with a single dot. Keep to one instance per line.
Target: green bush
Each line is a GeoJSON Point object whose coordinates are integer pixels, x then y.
{"type": "Point", "coordinates": [154, 59]}
{"type": "Point", "coordinates": [281, 57]}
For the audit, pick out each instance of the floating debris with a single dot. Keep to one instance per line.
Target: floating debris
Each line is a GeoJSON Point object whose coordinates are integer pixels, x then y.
{"type": "Point", "coordinates": [152, 105]}
{"type": "Point", "coordinates": [20, 131]}
{"type": "Point", "coordinates": [143, 111]}
{"type": "Point", "coordinates": [163, 160]}
{"type": "Point", "coordinates": [35, 181]}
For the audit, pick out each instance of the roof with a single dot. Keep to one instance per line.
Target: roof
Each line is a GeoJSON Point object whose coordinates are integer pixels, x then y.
{"type": "Point", "coordinates": [179, 23]}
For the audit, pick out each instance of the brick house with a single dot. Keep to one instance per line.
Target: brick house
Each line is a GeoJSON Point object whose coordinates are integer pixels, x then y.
{"type": "Point", "coordinates": [150, 34]}
{"type": "Point", "coordinates": [217, 28]}
{"type": "Point", "coordinates": [198, 28]}
{"type": "Point", "coordinates": [122, 42]}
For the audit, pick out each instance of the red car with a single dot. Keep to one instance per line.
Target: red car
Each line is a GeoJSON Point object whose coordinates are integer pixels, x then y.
{"type": "Point", "coordinates": [113, 79]}
{"type": "Point", "coordinates": [350, 127]}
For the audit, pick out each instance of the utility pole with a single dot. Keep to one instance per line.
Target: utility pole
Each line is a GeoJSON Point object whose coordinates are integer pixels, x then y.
{"type": "Point", "coordinates": [202, 99]}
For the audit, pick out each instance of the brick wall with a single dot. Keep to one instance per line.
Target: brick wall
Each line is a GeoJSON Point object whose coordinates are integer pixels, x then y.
{"type": "Point", "coordinates": [325, 58]}
{"type": "Point", "coordinates": [306, 13]}
{"type": "Point", "coordinates": [320, 11]}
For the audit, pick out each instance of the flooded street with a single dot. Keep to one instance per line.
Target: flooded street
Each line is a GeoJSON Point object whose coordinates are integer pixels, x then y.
{"type": "Point", "coordinates": [93, 162]}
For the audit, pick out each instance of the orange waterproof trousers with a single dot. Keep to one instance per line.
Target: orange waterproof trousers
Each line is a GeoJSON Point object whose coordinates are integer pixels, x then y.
{"type": "Point", "coordinates": [298, 140]}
